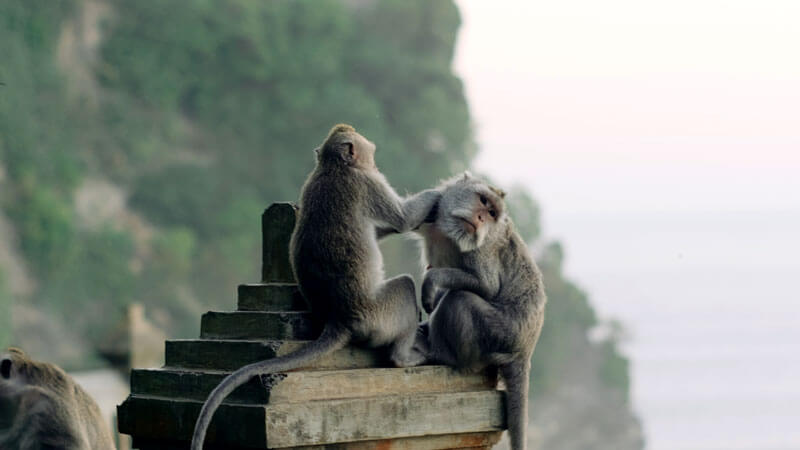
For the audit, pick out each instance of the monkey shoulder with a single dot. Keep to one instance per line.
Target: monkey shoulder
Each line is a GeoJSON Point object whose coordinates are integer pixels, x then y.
{"type": "Point", "coordinates": [439, 250]}
{"type": "Point", "coordinates": [521, 280]}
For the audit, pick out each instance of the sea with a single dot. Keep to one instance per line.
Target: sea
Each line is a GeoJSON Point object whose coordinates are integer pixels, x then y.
{"type": "Point", "coordinates": [710, 301]}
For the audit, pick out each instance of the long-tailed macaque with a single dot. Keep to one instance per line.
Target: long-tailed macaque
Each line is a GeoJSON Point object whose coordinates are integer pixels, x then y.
{"type": "Point", "coordinates": [345, 205]}
{"type": "Point", "coordinates": [41, 407]}
{"type": "Point", "coordinates": [483, 291]}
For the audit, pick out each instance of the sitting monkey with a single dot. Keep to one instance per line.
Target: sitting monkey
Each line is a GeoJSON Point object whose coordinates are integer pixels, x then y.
{"type": "Point", "coordinates": [41, 407]}
{"type": "Point", "coordinates": [483, 292]}
{"type": "Point", "coordinates": [346, 204]}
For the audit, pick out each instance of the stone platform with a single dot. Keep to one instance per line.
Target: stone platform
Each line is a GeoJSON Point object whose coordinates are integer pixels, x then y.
{"type": "Point", "coordinates": [352, 399]}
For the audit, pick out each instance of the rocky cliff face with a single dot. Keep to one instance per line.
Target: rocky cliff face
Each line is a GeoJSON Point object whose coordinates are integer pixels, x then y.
{"type": "Point", "coordinates": [582, 412]}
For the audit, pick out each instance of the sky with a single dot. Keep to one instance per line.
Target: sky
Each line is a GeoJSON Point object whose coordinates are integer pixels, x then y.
{"type": "Point", "coordinates": [662, 140]}
{"type": "Point", "coordinates": [675, 94]}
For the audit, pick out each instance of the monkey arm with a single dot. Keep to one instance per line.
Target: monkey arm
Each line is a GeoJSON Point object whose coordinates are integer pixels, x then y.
{"type": "Point", "coordinates": [384, 206]}
{"type": "Point", "coordinates": [453, 279]}
{"type": "Point", "coordinates": [393, 214]}
{"type": "Point", "coordinates": [418, 207]}
{"type": "Point", "coordinates": [416, 210]}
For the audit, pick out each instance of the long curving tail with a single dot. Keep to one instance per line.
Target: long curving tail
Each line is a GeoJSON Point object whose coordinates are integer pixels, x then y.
{"type": "Point", "coordinates": [331, 339]}
{"type": "Point", "coordinates": [516, 375]}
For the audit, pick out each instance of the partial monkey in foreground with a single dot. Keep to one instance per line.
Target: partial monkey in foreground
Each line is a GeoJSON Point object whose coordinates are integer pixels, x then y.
{"type": "Point", "coordinates": [483, 292]}
{"type": "Point", "coordinates": [346, 204]}
{"type": "Point", "coordinates": [41, 407]}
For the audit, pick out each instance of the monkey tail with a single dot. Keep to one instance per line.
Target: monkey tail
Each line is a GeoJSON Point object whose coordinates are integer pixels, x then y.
{"type": "Point", "coordinates": [516, 375]}
{"type": "Point", "coordinates": [331, 339]}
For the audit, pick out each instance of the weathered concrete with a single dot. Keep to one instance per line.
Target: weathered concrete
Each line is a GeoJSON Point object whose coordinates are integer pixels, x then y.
{"type": "Point", "coordinates": [158, 418]}
{"type": "Point", "coordinates": [318, 422]}
{"type": "Point", "coordinates": [298, 387]}
{"type": "Point", "coordinates": [351, 399]}
{"type": "Point", "coordinates": [259, 325]}
{"type": "Point", "coordinates": [271, 297]}
{"type": "Point", "coordinates": [233, 354]}
{"type": "Point", "coordinates": [277, 224]}
{"type": "Point", "coordinates": [332, 421]}
{"type": "Point", "coordinates": [481, 440]}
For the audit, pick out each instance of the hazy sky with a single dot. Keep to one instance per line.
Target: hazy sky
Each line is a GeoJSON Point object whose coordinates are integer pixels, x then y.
{"type": "Point", "coordinates": [625, 105]}
{"type": "Point", "coordinates": [662, 139]}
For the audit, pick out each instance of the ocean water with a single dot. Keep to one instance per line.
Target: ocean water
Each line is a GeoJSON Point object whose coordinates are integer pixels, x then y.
{"type": "Point", "coordinates": [711, 302]}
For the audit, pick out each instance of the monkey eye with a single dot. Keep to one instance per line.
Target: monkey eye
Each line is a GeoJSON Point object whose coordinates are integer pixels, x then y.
{"type": "Point", "coordinates": [493, 213]}
{"type": "Point", "coordinates": [483, 199]}
{"type": "Point", "coordinates": [5, 368]}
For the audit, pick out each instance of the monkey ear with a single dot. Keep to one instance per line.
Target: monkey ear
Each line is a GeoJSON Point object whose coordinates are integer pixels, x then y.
{"type": "Point", "coordinates": [467, 175]}
{"type": "Point", "coordinates": [316, 151]}
{"type": "Point", "coordinates": [5, 367]}
{"type": "Point", "coordinates": [348, 152]}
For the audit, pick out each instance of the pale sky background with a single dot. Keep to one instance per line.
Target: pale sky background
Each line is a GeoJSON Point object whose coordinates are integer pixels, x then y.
{"type": "Point", "coordinates": [662, 139]}
{"type": "Point", "coordinates": [681, 91]}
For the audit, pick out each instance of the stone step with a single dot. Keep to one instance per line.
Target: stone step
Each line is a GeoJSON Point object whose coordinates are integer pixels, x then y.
{"type": "Point", "coordinates": [474, 441]}
{"type": "Point", "coordinates": [259, 325]}
{"type": "Point", "coordinates": [294, 387]}
{"type": "Point", "coordinates": [317, 422]}
{"type": "Point", "coordinates": [277, 224]}
{"type": "Point", "coordinates": [232, 354]}
{"type": "Point", "coordinates": [271, 297]}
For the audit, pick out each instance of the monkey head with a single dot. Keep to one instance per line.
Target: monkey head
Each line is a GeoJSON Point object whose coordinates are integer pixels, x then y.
{"type": "Point", "coordinates": [470, 212]}
{"type": "Point", "coordinates": [17, 368]}
{"type": "Point", "coordinates": [345, 146]}
{"type": "Point", "coordinates": [18, 374]}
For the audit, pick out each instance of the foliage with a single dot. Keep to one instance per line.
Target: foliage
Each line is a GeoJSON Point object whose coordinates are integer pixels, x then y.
{"type": "Point", "coordinates": [615, 370]}
{"type": "Point", "coordinates": [5, 314]}
{"type": "Point", "coordinates": [568, 319]}
{"type": "Point", "coordinates": [525, 212]}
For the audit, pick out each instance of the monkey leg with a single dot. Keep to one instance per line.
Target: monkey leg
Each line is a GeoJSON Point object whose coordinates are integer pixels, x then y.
{"type": "Point", "coordinates": [468, 332]}
{"type": "Point", "coordinates": [396, 319]}
{"type": "Point", "coordinates": [422, 342]}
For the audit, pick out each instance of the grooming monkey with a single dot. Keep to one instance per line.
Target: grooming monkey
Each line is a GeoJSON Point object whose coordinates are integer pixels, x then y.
{"type": "Point", "coordinates": [483, 291]}
{"type": "Point", "coordinates": [346, 204]}
{"type": "Point", "coordinates": [41, 407]}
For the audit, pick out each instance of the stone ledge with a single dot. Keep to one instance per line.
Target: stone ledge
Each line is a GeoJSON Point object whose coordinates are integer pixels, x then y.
{"type": "Point", "coordinates": [259, 325]}
{"type": "Point", "coordinates": [481, 440]}
{"type": "Point", "coordinates": [218, 354]}
{"type": "Point", "coordinates": [270, 297]}
{"type": "Point", "coordinates": [317, 422]}
{"type": "Point", "coordinates": [297, 387]}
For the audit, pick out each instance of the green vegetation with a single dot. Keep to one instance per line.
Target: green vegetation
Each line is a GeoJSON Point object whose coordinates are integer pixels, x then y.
{"type": "Point", "coordinates": [205, 112]}
{"type": "Point", "coordinates": [5, 314]}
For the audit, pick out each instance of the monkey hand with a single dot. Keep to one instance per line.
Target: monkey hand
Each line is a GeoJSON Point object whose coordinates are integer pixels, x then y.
{"type": "Point", "coordinates": [433, 213]}
{"type": "Point", "coordinates": [430, 289]}
{"type": "Point", "coordinates": [421, 208]}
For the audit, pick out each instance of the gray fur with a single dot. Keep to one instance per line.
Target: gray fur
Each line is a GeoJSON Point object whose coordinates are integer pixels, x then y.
{"type": "Point", "coordinates": [42, 407]}
{"type": "Point", "coordinates": [483, 291]}
{"type": "Point", "coordinates": [346, 204]}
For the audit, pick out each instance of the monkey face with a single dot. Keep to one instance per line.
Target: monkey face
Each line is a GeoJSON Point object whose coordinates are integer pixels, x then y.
{"type": "Point", "coordinates": [470, 212]}
{"type": "Point", "coordinates": [9, 391]}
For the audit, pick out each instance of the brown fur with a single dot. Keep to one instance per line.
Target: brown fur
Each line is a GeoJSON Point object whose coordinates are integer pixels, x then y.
{"type": "Point", "coordinates": [346, 205]}
{"type": "Point", "coordinates": [41, 407]}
